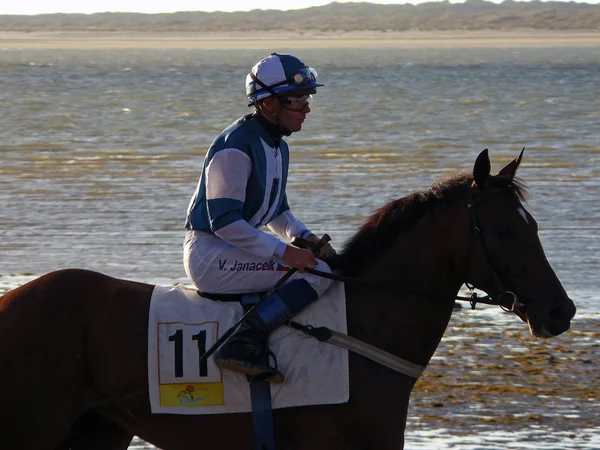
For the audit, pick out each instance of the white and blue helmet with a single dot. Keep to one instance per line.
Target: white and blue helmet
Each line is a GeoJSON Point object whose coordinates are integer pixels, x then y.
{"type": "Point", "coordinates": [278, 74]}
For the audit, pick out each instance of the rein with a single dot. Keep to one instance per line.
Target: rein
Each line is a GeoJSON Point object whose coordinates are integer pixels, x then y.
{"type": "Point", "coordinates": [513, 305]}
{"type": "Point", "coordinates": [473, 299]}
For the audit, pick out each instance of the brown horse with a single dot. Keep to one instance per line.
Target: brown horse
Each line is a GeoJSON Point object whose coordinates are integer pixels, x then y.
{"type": "Point", "coordinates": [73, 353]}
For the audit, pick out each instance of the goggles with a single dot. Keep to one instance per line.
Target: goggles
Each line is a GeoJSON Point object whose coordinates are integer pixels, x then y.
{"type": "Point", "coordinates": [297, 104]}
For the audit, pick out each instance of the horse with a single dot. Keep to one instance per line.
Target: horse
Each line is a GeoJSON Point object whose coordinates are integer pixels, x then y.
{"type": "Point", "coordinates": [73, 343]}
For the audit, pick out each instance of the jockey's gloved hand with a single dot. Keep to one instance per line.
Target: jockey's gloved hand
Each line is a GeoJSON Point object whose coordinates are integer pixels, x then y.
{"type": "Point", "coordinates": [326, 251]}
{"type": "Point", "coordinates": [300, 258]}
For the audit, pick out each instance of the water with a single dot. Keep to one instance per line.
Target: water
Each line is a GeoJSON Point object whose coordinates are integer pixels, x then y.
{"type": "Point", "coordinates": [101, 150]}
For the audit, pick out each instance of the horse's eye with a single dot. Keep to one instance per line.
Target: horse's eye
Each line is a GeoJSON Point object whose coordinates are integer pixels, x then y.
{"type": "Point", "coordinates": [504, 232]}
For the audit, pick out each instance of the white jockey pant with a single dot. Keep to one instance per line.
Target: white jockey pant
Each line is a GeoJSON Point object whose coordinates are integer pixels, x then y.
{"type": "Point", "coordinates": [216, 266]}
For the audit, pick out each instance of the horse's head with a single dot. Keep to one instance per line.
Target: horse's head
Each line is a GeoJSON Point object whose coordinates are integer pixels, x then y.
{"type": "Point", "coordinates": [506, 256]}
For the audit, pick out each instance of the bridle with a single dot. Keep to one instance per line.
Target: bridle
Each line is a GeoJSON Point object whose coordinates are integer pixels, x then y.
{"type": "Point", "coordinates": [512, 303]}
{"type": "Point", "coordinates": [507, 300]}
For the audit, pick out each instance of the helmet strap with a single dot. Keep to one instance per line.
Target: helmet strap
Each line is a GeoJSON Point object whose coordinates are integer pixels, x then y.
{"type": "Point", "coordinates": [265, 87]}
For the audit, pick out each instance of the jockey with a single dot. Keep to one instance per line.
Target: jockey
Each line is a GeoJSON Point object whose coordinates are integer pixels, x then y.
{"type": "Point", "coordinates": [241, 189]}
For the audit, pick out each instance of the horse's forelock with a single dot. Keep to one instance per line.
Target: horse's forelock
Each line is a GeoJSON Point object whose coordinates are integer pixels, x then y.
{"type": "Point", "coordinates": [515, 188]}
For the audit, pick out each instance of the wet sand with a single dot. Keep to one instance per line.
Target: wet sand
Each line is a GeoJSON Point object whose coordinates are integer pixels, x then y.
{"type": "Point", "coordinates": [498, 371]}
{"type": "Point", "coordinates": [308, 39]}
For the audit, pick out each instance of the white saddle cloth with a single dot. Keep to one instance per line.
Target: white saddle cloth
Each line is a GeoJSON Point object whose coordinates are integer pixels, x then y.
{"type": "Point", "coordinates": [182, 325]}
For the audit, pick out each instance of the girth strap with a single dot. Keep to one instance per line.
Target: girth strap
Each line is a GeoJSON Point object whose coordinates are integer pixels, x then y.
{"type": "Point", "coordinates": [344, 341]}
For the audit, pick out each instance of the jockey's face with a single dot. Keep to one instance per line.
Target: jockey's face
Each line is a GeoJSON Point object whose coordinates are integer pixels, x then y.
{"type": "Point", "coordinates": [293, 111]}
{"type": "Point", "coordinates": [289, 112]}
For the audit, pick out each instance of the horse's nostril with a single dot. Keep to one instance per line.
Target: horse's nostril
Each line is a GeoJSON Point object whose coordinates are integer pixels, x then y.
{"type": "Point", "coordinates": [562, 312]}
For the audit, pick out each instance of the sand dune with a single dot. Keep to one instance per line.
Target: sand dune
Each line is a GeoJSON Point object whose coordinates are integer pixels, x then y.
{"type": "Point", "coordinates": [316, 39]}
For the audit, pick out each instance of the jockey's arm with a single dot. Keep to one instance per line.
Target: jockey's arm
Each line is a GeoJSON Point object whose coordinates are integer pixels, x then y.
{"type": "Point", "coordinates": [287, 227]}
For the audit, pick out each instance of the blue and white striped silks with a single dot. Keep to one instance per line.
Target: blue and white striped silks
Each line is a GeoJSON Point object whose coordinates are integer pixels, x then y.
{"type": "Point", "coordinates": [242, 188]}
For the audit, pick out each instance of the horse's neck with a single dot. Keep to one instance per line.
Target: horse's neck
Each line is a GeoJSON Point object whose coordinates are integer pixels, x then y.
{"type": "Point", "coordinates": [408, 318]}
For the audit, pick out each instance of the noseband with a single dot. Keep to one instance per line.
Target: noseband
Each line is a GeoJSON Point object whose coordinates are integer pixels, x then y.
{"type": "Point", "coordinates": [507, 300]}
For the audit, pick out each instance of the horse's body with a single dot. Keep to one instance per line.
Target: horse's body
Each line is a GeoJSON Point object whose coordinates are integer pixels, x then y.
{"type": "Point", "coordinates": [73, 343]}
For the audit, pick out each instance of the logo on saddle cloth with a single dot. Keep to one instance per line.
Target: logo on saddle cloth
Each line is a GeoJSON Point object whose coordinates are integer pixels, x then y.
{"type": "Point", "coordinates": [188, 395]}
{"type": "Point", "coordinates": [252, 266]}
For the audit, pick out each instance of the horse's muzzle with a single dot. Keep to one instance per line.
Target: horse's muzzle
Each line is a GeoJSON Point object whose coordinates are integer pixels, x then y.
{"type": "Point", "coordinates": [554, 322]}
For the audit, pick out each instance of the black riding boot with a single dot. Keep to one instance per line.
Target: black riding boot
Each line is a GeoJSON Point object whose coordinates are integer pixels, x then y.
{"type": "Point", "coordinates": [246, 350]}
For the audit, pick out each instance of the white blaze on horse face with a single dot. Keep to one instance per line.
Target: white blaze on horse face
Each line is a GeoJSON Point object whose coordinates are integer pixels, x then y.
{"type": "Point", "coordinates": [523, 214]}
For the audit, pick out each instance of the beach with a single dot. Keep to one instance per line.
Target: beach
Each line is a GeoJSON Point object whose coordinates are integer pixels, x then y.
{"type": "Point", "coordinates": [103, 142]}
{"type": "Point", "coordinates": [307, 39]}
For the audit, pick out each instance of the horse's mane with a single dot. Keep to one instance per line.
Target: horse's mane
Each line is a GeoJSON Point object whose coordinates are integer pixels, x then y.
{"type": "Point", "coordinates": [383, 226]}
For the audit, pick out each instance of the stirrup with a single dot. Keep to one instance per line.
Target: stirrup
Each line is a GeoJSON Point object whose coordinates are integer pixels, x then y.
{"type": "Point", "coordinates": [260, 372]}
{"type": "Point", "coordinates": [274, 376]}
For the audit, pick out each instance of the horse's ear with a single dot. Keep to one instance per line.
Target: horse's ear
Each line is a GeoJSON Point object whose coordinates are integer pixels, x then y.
{"type": "Point", "coordinates": [510, 170]}
{"type": "Point", "coordinates": [482, 169]}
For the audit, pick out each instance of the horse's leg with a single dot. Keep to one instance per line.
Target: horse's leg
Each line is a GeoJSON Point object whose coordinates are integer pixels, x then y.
{"type": "Point", "coordinates": [94, 432]}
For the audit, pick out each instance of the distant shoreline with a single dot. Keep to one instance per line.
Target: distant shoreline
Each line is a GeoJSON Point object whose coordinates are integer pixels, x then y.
{"type": "Point", "coordinates": [294, 40]}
